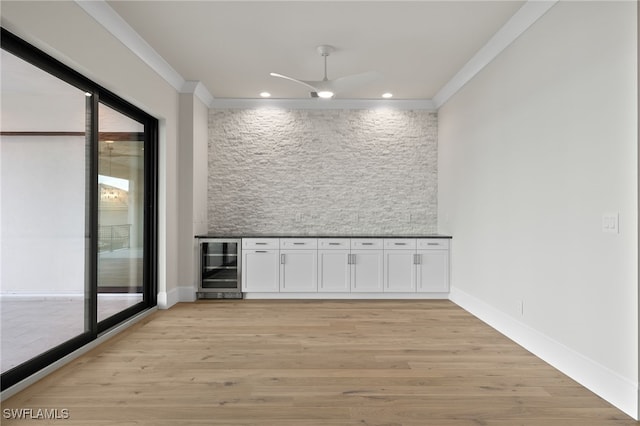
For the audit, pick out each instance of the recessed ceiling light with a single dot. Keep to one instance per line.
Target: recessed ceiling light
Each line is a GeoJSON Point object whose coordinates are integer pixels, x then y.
{"type": "Point", "coordinates": [325, 94]}
{"type": "Point", "coordinates": [387, 95]}
{"type": "Point", "coordinates": [265, 94]}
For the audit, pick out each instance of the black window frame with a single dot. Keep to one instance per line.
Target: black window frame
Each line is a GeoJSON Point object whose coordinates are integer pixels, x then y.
{"type": "Point", "coordinates": [99, 95]}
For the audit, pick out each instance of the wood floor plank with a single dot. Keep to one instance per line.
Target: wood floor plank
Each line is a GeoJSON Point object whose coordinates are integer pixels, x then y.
{"type": "Point", "coordinates": [311, 363]}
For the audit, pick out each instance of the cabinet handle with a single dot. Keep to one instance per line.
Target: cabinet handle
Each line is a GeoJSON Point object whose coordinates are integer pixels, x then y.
{"type": "Point", "coordinates": [348, 259]}
{"type": "Point", "coordinates": [367, 244]}
{"type": "Point", "coordinates": [334, 244]}
{"type": "Point", "coordinates": [298, 244]}
{"type": "Point", "coordinates": [400, 244]}
{"type": "Point", "coordinates": [282, 259]}
{"type": "Point", "coordinates": [261, 251]}
{"type": "Point", "coordinates": [433, 244]}
{"type": "Point", "coordinates": [418, 259]}
{"type": "Point", "coordinates": [261, 244]}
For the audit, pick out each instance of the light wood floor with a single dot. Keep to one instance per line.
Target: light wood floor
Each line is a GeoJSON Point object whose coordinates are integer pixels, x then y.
{"type": "Point", "coordinates": [314, 363]}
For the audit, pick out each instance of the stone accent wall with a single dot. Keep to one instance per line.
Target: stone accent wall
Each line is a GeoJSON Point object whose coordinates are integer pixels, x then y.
{"type": "Point", "coordinates": [322, 171]}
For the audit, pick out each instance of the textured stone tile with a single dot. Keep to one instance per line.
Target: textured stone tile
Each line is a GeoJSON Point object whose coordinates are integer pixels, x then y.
{"type": "Point", "coordinates": [322, 171]}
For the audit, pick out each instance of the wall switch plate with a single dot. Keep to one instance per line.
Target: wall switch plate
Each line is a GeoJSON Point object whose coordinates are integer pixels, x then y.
{"type": "Point", "coordinates": [610, 223]}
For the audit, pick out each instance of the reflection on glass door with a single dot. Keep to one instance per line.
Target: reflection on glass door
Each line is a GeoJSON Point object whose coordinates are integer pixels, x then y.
{"type": "Point", "coordinates": [120, 212]}
{"type": "Point", "coordinates": [44, 220]}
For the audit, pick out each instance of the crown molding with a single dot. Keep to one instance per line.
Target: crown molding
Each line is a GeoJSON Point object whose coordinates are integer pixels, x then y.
{"type": "Point", "coordinates": [395, 104]}
{"type": "Point", "coordinates": [121, 30]}
{"type": "Point", "coordinates": [529, 13]}
{"type": "Point", "coordinates": [199, 90]}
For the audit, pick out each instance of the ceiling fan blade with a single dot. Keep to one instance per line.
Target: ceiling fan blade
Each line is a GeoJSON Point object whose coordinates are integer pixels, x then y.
{"type": "Point", "coordinates": [353, 81]}
{"type": "Point", "coordinates": [306, 83]}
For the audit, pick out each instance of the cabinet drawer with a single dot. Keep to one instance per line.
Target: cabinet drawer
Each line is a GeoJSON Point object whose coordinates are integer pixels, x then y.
{"type": "Point", "coordinates": [334, 243]}
{"type": "Point", "coordinates": [433, 244]}
{"type": "Point", "coordinates": [366, 243]}
{"type": "Point", "coordinates": [298, 243]}
{"type": "Point", "coordinates": [260, 243]}
{"type": "Point", "coordinates": [399, 244]}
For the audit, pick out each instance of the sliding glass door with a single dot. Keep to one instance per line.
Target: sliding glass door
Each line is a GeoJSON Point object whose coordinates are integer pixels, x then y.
{"type": "Point", "coordinates": [77, 210]}
{"type": "Point", "coordinates": [120, 212]}
{"type": "Point", "coordinates": [44, 212]}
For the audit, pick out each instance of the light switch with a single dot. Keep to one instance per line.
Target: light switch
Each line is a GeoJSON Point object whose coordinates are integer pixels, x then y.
{"type": "Point", "coordinates": [610, 223]}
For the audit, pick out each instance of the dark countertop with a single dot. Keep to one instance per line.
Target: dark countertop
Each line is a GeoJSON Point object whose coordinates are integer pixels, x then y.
{"type": "Point", "coordinates": [236, 236]}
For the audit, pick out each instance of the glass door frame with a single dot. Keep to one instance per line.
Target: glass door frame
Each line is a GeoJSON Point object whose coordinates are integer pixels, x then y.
{"type": "Point", "coordinates": [96, 94]}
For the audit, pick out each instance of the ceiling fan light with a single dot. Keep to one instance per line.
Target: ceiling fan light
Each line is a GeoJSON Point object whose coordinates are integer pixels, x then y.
{"type": "Point", "coordinates": [325, 94]}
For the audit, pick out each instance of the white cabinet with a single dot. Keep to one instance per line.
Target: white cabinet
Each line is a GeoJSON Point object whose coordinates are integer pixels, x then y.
{"type": "Point", "coordinates": [260, 271]}
{"type": "Point", "coordinates": [432, 271]}
{"type": "Point", "coordinates": [416, 265]}
{"type": "Point", "coordinates": [345, 265]}
{"type": "Point", "coordinates": [400, 271]}
{"type": "Point", "coordinates": [334, 270]}
{"type": "Point", "coordinates": [399, 265]}
{"type": "Point", "coordinates": [298, 265]}
{"type": "Point", "coordinates": [367, 265]}
{"type": "Point", "coordinates": [350, 265]}
{"type": "Point", "coordinates": [367, 270]}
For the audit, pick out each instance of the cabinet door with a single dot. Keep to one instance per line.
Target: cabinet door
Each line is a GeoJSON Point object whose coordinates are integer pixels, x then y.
{"type": "Point", "coordinates": [433, 271]}
{"type": "Point", "coordinates": [334, 271]}
{"type": "Point", "coordinates": [260, 270]}
{"type": "Point", "coordinates": [399, 271]}
{"type": "Point", "coordinates": [367, 270]}
{"type": "Point", "coordinates": [298, 270]}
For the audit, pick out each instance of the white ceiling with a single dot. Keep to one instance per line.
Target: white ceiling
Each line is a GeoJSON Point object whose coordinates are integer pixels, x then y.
{"type": "Point", "coordinates": [231, 47]}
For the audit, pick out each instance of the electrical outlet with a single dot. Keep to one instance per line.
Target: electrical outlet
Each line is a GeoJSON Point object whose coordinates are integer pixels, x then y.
{"type": "Point", "coordinates": [610, 223]}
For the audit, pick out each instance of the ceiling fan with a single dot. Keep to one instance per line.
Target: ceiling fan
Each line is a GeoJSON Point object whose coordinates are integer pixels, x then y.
{"type": "Point", "coordinates": [326, 88]}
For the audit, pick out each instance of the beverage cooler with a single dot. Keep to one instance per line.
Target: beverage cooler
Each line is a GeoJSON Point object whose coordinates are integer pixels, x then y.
{"type": "Point", "coordinates": [220, 268]}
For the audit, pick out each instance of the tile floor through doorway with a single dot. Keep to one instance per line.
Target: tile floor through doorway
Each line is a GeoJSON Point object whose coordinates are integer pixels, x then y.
{"type": "Point", "coordinates": [32, 325]}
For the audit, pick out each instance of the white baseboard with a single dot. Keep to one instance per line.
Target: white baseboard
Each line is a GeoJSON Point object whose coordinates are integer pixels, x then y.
{"type": "Point", "coordinates": [609, 385]}
{"type": "Point", "coordinates": [347, 296]}
{"type": "Point", "coordinates": [167, 299]}
{"type": "Point", "coordinates": [178, 294]}
{"type": "Point", "coordinates": [40, 296]}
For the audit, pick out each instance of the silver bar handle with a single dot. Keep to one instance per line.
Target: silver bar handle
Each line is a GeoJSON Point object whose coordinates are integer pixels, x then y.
{"type": "Point", "coordinates": [400, 244]}
{"type": "Point", "coordinates": [282, 259]}
{"type": "Point", "coordinates": [334, 244]}
{"type": "Point", "coordinates": [367, 244]}
{"type": "Point", "coordinates": [433, 244]}
{"type": "Point", "coordinates": [298, 244]}
{"type": "Point", "coordinates": [261, 251]}
{"type": "Point", "coordinates": [261, 244]}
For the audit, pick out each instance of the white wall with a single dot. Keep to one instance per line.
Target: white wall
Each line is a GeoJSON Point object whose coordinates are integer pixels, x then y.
{"type": "Point", "coordinates": [43, 215]}
{"type": "Point", "coordinates": [532, 152]}
{"type": "Point", "coordinates": [192, 189]}
{"type": "Point", "coordinates": [66, 32]}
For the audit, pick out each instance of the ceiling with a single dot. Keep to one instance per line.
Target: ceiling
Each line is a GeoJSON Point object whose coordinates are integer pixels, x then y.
{"type": "Point", "coordinates": [232, 46]}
